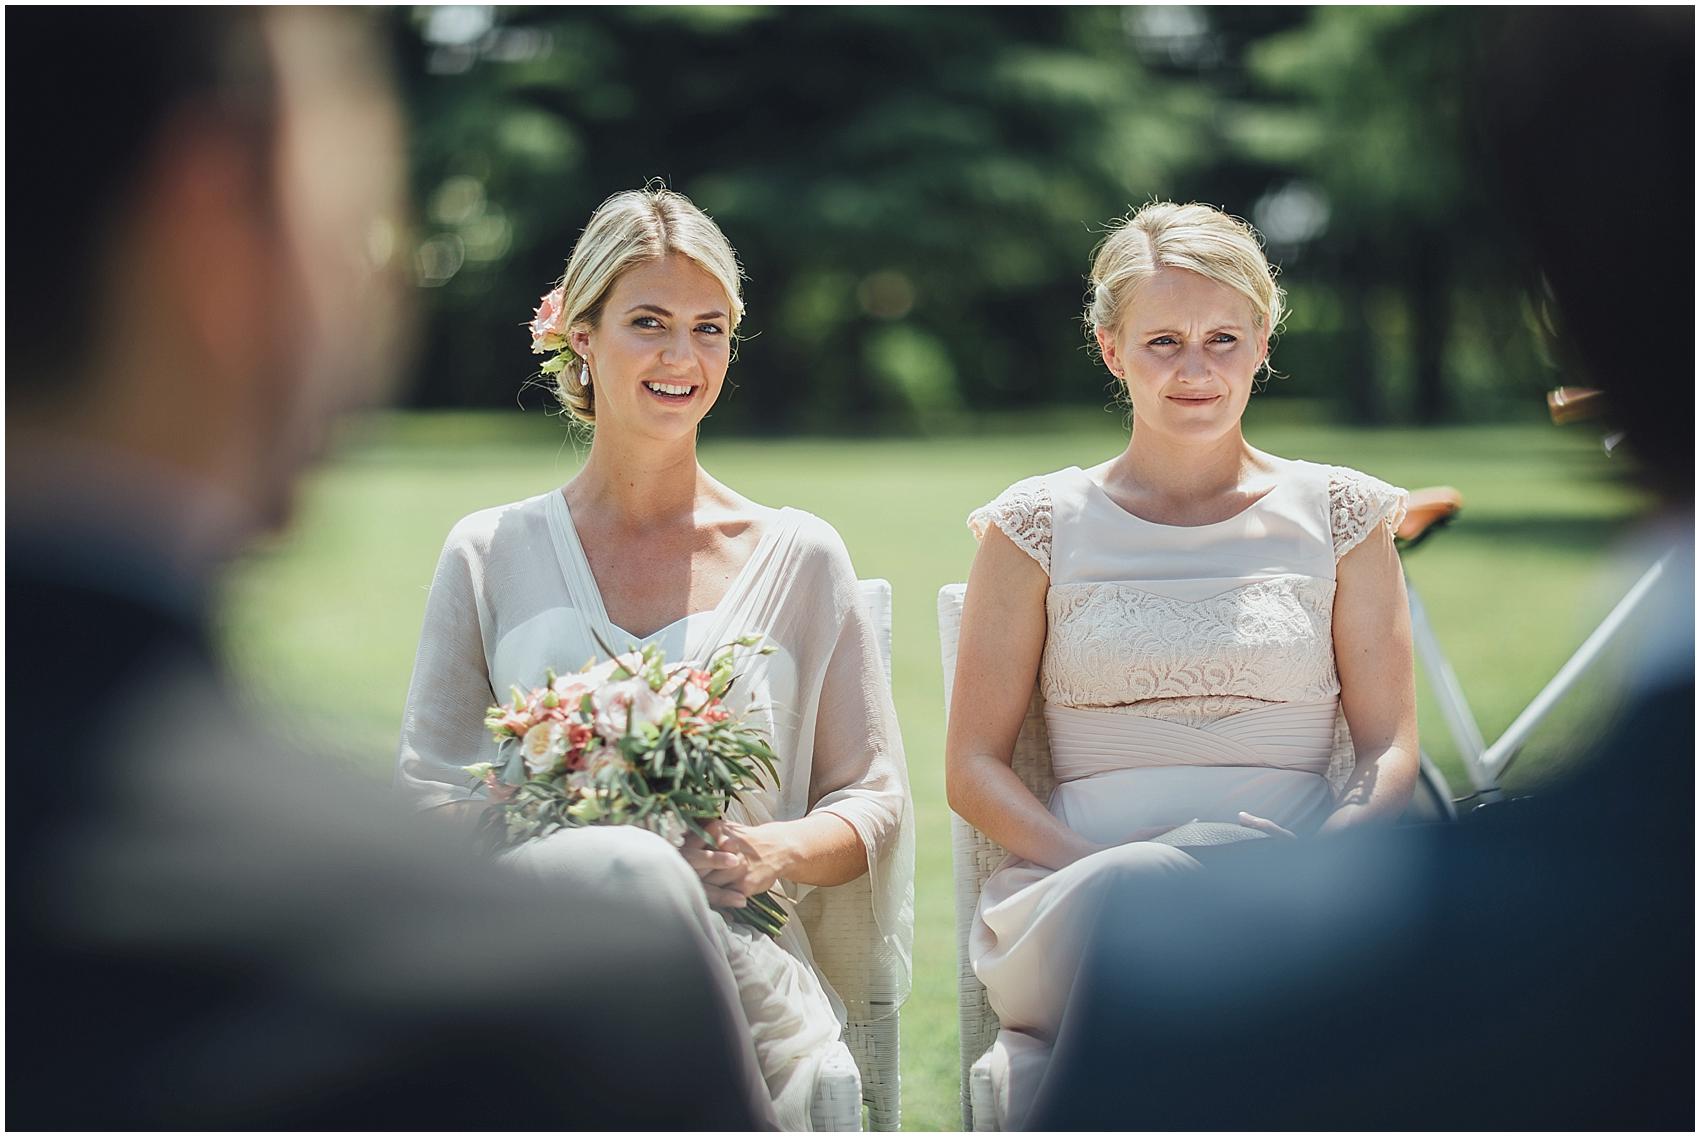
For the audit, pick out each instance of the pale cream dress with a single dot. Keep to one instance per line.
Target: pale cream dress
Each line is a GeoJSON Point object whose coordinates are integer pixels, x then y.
{"type": "Point", "coordinates": [514, 595]}
{"type": "Point", "coordinates": [1188, 673]}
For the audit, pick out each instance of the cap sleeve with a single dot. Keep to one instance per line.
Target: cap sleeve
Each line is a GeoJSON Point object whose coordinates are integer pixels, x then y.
{"type": "Point", "coordinates": [1023, 512]}
{"type": "Point", "coordinates": [1357, 503]}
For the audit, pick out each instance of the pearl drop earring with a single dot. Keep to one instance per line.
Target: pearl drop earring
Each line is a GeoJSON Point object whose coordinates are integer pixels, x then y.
{"type": "Point", "coordinates": [584, 375]}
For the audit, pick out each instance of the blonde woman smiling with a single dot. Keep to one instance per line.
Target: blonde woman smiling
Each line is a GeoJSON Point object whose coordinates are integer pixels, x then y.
{"type": "Point", "coordinates": [1220, 634]}
{"type": "Point", "coordinates": [645, 546]}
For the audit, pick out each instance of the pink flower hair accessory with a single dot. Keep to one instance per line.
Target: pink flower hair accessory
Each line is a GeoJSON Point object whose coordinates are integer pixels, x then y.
{"type": "Point", "coordinates": [549, 331]}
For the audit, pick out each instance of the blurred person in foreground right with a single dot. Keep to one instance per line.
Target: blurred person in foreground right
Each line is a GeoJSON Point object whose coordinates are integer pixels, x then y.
{"type": "Point", "coordinates": [1531, 968]}
{"type": "Point", "coordinates": [205, 929]}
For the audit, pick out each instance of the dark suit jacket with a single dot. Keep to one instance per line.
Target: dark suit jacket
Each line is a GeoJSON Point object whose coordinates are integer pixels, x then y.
{"type": "Point", "coordinates": [1530, 968]}
{"type": "Point", "coordinates": [206, 930]}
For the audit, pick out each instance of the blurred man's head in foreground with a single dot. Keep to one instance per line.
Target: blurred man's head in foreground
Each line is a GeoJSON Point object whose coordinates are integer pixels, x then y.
{"type": "Point", "coordinates": [204, 214]}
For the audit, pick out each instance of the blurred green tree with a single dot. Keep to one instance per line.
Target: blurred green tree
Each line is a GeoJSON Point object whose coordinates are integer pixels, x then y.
{"type": "Point", "coordinates": [1367, 110]}
{"type": "Point", "coordinates": [912, 190]}
{"type": "Point", "coordinates": [915, 191]}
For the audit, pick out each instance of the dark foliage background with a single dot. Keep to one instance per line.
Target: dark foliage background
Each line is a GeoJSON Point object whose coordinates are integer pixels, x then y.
{"type": "Point", "coordinates": [916, 192]}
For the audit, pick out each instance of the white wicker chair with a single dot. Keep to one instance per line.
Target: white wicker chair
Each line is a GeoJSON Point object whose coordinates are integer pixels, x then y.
{"type": "Point", "coordinates": [872, 1079]}
{"type": "Point", "coordinates": [973, 857]}
{"type": "Point", "coordinates": [837, 1104]}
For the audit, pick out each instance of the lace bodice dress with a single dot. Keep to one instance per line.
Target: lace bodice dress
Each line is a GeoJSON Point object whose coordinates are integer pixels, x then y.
{"type": "Point", "coordinates": [1188, 673]}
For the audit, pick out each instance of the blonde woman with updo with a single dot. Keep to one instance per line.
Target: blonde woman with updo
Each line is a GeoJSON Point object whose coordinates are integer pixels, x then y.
{"type": "Point", "coordinates": [1219, 634]}
{"type": "Point", "coordinates": [644, 546]}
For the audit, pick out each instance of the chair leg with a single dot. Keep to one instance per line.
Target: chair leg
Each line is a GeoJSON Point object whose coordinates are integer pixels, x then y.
{"type": "Point", "coordinates": [877, 1048]}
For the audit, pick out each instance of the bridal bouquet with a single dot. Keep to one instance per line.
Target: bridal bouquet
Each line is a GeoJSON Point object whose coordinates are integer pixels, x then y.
{"type": "Point", "coordinates": [629, 741]}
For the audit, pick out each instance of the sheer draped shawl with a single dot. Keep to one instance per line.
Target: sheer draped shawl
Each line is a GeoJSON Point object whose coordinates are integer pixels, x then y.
{"type": "Point", "coordinates": [513, 594]}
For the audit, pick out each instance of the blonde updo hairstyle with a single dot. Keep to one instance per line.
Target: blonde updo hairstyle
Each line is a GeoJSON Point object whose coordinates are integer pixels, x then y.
{"type": "Point", "coordinates": [1198, 238]}
{"type": "Point", "coordinates": [635, 227]}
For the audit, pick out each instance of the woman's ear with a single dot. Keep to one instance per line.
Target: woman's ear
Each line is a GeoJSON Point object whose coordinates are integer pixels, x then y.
{"type": "Point", "coordinates": [1107, 349]}
{"type": "Point", "coordinates": [579, 340]}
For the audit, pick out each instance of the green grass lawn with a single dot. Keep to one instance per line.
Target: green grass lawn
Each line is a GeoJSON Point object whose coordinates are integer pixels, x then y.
{"type": "Point", "coordinates": [324, 625]}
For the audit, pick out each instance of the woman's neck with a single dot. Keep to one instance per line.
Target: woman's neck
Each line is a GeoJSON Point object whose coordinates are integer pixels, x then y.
{"type": "Point", "coordinates": [639, 481]}
{"type": "Point", "coordinates": [1176, 469]}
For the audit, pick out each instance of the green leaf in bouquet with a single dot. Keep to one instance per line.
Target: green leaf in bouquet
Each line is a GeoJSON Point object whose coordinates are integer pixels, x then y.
{"type": "Point", "coordinates": [749, 755]}
{"type": "Point", "coordinates": [701, 805]}
{"type": "Point", "coordinates": [478, 771]}
{"type": "Point", "coordinates": [746, 781]}
{"type": "Point", "coordinates": [760, 757]}
{"type": "Point", "coordinates": [513, 772]}
{"type": "Point", "coordinates": [768, 766]}
{"type": "Point", "coordinates": [720, 677]}
{"type": "Point", "coordinates": [586, 811]}
{"type": "Point", "coordinates": [654, 668]}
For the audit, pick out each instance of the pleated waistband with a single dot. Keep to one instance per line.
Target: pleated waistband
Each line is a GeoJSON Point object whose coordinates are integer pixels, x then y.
{"type": "Point", "coordinates": [1288, 736]}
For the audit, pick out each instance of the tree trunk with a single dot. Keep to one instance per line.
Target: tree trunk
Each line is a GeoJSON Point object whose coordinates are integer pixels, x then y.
{"type": "Point", "coordinates": [1431, 324]}
{"type": "Point", "coordinates": [1365, 404]}
{"type": "Point", "coordinates": [769, 389]}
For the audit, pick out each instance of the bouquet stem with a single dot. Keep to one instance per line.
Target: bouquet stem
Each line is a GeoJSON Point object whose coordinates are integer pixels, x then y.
{"type": "Point", "coordinates": [762, 912]}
